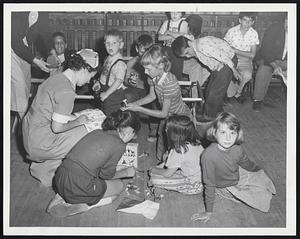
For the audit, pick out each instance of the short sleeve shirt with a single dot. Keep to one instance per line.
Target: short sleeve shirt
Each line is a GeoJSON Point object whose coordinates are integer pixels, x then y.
{"type": "Point", "coordinates": [212, 51]}
{"type": "Point", "coordinates": [118, 71]}
{"type": "Point", "coordinates": [241, 42]}
{"type": "Point", "coordinates": [167, 87]}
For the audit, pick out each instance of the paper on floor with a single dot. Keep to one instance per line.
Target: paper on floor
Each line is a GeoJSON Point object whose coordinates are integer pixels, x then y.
{"type": "Point", "coordinates": [147, 208]}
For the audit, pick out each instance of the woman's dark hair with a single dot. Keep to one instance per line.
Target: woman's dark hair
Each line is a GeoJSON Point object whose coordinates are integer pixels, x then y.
{"type": "Point", "coordinates": [59, 34]}
{"type": "Point", "coordinates": [181, 130]}
{"type": "Point", "coordinates": [76, 63]}
{"type": "Point", "coordinates": [195, 24]}
{"type": "Point", "coordinates": [122, 119]}
{"type": "Point", "coordinates": [179, 44]}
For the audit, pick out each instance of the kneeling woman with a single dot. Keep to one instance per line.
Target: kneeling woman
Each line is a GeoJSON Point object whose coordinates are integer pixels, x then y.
{"type": "Point", "coordinates": [88, 178]}
{"type": "Point", "coordinates": [49, 128]}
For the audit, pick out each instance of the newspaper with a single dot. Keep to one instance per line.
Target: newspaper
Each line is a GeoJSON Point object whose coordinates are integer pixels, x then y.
{"type": "Point", "coordinates": [95, 117]}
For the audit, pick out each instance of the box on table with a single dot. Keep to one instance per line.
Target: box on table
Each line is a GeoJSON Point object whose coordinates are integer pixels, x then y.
{"type": "Point", "coordinates": [130, 156]}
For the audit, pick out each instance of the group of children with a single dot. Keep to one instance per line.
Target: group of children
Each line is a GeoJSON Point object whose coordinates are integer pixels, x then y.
{"type": "Point", "coordinates": [87, 176]}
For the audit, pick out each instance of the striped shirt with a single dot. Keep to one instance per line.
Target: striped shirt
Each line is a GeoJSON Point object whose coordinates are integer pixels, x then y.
{"type": "Point", "coordinates": [167, 87]}
{"type": "Point", "coordinates": [213, 51]}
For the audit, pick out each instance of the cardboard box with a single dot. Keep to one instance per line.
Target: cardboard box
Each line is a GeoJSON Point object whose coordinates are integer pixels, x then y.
{"type": "Point", "coordinates": [130, 156]}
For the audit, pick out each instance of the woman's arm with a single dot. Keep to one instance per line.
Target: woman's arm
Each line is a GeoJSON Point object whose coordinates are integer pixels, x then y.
{"type": "Point", "coordinates": [58, 127]}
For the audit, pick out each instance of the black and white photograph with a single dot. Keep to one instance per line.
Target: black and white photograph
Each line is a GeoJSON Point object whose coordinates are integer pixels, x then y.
{"type": "Point", "coordinates": [149, 119]}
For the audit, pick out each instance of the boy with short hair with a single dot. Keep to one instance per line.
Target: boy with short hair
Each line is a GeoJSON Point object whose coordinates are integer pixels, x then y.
{"type": "Point", "coordinates": [243, 39]}
{"type": "Point", "coordinates": [221, 59]}
{"type": "Point", "coordinates": [59, 55]}
{"type": "Point", "coordinates": [112, 76]}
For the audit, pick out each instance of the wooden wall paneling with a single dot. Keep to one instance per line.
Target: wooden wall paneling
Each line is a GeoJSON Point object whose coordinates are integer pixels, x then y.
{"type": "Point", "coordinates": [86, 29]}
{"type": "Point", "coordinates": [152, 22]}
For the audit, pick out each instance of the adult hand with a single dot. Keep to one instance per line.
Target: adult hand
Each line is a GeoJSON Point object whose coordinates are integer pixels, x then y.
{"type": "Point", "coordinates": [41, 64]}
{"type": "Point", "coordinates": [204, 216]}
{"type": "Point", "coordinates": [82, 119]}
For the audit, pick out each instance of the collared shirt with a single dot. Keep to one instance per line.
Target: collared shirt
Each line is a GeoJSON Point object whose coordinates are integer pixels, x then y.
{"type": "Point", "coordinates": [213, 51]}
{"type": "Point", "coordinates": [236, 39]}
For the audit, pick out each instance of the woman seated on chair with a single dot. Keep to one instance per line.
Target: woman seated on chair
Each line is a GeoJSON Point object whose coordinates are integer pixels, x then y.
{"type": "Point", "coordinates": [49, 128]}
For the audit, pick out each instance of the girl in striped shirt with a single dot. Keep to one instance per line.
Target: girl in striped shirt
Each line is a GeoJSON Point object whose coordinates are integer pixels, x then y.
{"type": "Point", "coordinates": [163, 86]}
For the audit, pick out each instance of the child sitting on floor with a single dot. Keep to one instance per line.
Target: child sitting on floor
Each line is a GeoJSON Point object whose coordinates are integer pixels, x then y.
{"type": "Point", "coordinates": [182, 171]}
{"type": "Point", "coordinates": [87, 178]}
{"type": "Point", "coordinates": [110, 85]}
{"type": "Point", "coordinates": [225, 165]}
{"type": "Point", "coordinates": [165, 87]}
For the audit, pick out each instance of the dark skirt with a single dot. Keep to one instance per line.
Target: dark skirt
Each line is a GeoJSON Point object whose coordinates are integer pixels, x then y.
{"type": "Point", "coordinates": [76, 185]}
{"type": "Point", "coordinates": [113, 102]}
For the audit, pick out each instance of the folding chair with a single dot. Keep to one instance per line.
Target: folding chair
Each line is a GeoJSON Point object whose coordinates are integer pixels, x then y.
{"type": "Point", "coordinates": [192, 99]}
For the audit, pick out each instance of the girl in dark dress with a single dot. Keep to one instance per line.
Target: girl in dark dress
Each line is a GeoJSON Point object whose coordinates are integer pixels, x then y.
{"type": "Point", "coordinates": [87, 177]}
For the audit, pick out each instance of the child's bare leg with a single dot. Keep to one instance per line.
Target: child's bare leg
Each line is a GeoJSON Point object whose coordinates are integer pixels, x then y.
{"type": "Point", "coordinates": [113, 190]}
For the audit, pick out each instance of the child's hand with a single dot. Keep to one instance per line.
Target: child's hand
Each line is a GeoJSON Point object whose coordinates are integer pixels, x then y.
{"type": "Point", "coordinates": [131, 106]}
{"type": "Point", "coordinates": [204, 216]}
{"type": "Point", "coordinates": [53, 52]}
{"type": "Point", "coordinates": [82, 119]}
{"type": "Point", "coordinates": [96, 86]}
{"type": "Point", "coordinates": [103, 96]}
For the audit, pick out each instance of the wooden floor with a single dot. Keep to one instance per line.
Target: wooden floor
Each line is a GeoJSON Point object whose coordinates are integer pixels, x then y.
{"type": "Point", "coordinates": [265, 136]}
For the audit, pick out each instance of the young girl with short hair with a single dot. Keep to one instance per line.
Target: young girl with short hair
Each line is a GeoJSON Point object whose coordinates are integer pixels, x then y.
{"type": "Point", "coordinates": [165, 87]}
{"type": "Point", "coordinates": [87, 178]}
{"type": "Point", "coordinates": [182, 171]}
{"type": "Point", "coordinates": [225, 165]}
